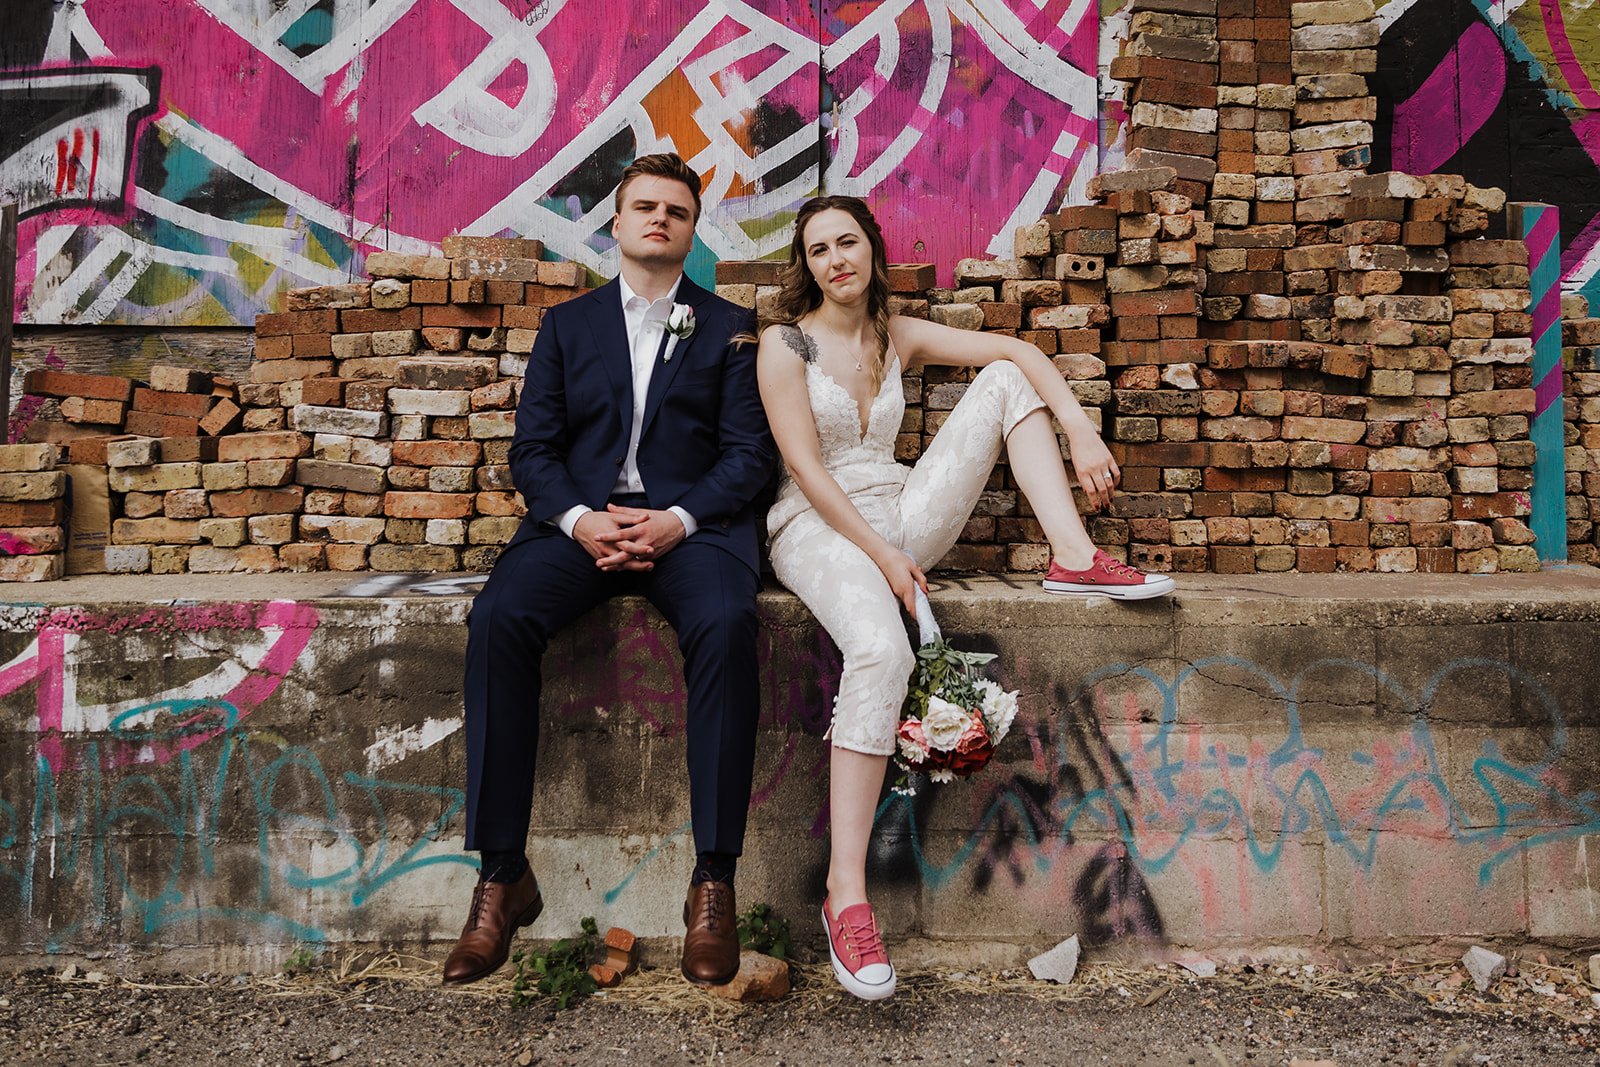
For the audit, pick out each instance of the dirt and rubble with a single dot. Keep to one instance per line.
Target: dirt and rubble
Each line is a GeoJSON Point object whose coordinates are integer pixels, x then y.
{"type": "Point", "coordinates": [390, 1010]}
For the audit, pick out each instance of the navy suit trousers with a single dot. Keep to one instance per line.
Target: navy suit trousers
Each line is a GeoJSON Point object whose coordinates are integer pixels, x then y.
{"type": "Point", "coordinates": [540, 585]}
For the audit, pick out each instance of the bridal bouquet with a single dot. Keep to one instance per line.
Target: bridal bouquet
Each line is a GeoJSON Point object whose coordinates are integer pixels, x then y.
{"type": "Point", "coordinates": [953, 716]}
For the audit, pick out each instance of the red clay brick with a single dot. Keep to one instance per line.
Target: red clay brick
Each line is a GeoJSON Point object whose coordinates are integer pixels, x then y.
{"type": "Point", "coordinates": [274, 324]}
{"type": "Point", "coordinates": [1156, 302]}
{"type": "Point", "coordinates": [149, 424]}
{"type": "Point", "coordinates": [748, 272]}
{"type": "Point", "coordinates": [223, 418]}
{"type": "Point", "coordinates": [1233, 559]}
{"type": "Point", "coordinates": [1313, 560]}
{"type": "Point", "coordinates": [193, 405]}
{"type": "Point", "coordinates": [1177, 93]}
{"type": "Point", "coordinates": [1160, 139]}
{"type": "Point", "coordinates": [1436, 560]}
{"type": "Point", "coordinates": [430, 291]}
{"type": "Point", "coordinates": [474, 317]}
{"type": "Point", "coordinates": [1134, 68]}
{"type": "Point", "coordinates": [438, 453]}
{"type": "Point", "coordinates": [522, 317]}
{"type": "Point", "coordinates": [427, 505]}
{"type": "Point", "coordinates": [912, 277]}
{"type": "Point", "coordinates": [313, 345]}
{"type": "Point", "coordinates": [562, 274]}
{"type": "Point", "coordinates": [546, 296]}
{"type": "Point", "coordinates": [369, 320]}
{"type": "Point", "coordinates": [271, 445]}
{"type": "Point", "coordinates": [64, 384]}
{"type": "Point", "coordinates": [277, 347]}
{"type": "Point", "coordinates": [33, 513]}
{"type": "Point", "coordinates": [241, 503]}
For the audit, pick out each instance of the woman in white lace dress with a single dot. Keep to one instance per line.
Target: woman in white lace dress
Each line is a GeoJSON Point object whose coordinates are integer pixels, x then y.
{"type": "Point", "coordinates": [852, 529]}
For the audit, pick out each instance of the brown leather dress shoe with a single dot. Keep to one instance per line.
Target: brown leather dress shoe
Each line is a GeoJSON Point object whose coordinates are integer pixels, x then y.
{"type": "Point", "coordinates": [498, 910]}
{"type": "Point", "coordinates": [711, 943]}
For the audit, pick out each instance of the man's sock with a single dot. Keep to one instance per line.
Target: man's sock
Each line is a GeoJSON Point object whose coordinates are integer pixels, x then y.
{"type": "Point", "coordinates": [714, 867]}
{"type": "Point", "coordinates": [502, 866]}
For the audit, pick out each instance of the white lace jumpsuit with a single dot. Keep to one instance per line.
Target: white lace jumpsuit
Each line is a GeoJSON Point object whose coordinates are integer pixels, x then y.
{"type": "Point", "coordinates": [920, 509]}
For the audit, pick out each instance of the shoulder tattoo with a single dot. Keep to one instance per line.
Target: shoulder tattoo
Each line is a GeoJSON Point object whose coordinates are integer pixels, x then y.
{"type": "Point", "coordinates": [801, 343]}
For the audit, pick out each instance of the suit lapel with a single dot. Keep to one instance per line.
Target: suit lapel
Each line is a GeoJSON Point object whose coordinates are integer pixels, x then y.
{"type": "Point", "coordinates": [678, 348]}
{"type": "Point", "coordinates": [611, 338]}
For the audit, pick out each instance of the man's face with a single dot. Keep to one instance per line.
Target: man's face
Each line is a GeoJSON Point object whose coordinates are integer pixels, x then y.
{"type": "Point", "coordinates": [656, 223]}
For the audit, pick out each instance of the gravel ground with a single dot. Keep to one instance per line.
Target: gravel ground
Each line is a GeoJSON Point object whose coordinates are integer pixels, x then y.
{"type": "Point", "coordinates": [391, 1012]}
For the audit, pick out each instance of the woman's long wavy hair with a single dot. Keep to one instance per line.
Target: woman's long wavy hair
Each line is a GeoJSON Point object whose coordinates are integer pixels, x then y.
{"type": "Point", "coordinates": [799, 294]}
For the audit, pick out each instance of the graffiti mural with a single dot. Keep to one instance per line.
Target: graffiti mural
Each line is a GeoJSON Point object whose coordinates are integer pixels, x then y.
{"type": "Point", "coordinates": [1130, 768]}
{"type": "Point", "coordinates": [1507, 94]}
{"type": "Point", "coordinates": [290, 771]}
{"type": "Point", "coordinates": [136, 807]}
{"type": "Point", "coordinates": [285, 139]}
{"type": "Point", "coordinates": [66, 135]}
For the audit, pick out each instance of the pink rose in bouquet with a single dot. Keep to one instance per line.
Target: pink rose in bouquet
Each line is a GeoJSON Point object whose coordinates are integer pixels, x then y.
{"type": "Point", "coordinates": [912, 742]}
{"type": "Point", "coordinates": [976, 736]}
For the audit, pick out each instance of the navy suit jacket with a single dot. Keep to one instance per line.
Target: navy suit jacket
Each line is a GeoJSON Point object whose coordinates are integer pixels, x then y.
{"type": "Point", "coordinates": [704, 445]}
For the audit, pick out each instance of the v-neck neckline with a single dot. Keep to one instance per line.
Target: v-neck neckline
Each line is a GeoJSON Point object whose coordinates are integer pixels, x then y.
{"type": "Point", "coordinates": [864, 420]}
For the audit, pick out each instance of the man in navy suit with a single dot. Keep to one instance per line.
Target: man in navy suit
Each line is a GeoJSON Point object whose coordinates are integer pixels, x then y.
{"type": "Point", "coordinates": [640, 445]}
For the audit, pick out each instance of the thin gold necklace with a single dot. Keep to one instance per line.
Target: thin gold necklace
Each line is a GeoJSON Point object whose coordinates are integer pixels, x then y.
{"type": "Point", "coordinates": [857, 350]}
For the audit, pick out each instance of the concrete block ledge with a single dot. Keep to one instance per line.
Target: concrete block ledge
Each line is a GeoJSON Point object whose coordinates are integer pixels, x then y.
{"type": "Point", "coordinates": [210, 771]}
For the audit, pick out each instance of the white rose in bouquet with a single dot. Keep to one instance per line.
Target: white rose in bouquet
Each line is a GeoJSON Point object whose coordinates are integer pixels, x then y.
{"type": "Point", "coordinates": [999, 709]}
{"type": "Point", "coordinates": [944, 723]}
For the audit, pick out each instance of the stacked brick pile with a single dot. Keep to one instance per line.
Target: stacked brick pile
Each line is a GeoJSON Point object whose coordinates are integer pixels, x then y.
{"type": "Point", "coordinates": [1580, 360]}
{"type": "Point", "coordinates": [1298, 365]}
{"type": "Point", "coordinates": [1171, 64]}
{"type": "Point", "coordinates": [32, 513]}
{"type": "Point", "coordinates": [188, 503]}
{"type": "Point", "coordinates": [1398, 443]}
{"type": "Point", "coordinates": [373, 431]}
{"type": "Point", "coordinates": [96, 402]}
{"type": "Point", "coordinates": [1333, 46]}
{"type": "Point", "coordinates": [1491, 404]}
{"type": "Point", "coordinates": [177, 402]}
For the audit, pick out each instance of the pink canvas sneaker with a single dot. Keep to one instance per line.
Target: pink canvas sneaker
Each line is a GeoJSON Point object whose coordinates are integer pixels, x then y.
{"type": "Point", "coordinates": [1107, 577]}
{"type": "Point", "coordinates": [860, 961]}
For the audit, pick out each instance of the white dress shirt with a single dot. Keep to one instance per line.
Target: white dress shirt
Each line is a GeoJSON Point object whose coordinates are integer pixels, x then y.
{"type": "Point", "coordinates": [645, 322]}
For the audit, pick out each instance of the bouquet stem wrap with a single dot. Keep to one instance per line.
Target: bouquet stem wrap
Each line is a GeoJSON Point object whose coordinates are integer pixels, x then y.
{"type": "Point", "coordinates": [927, 626]}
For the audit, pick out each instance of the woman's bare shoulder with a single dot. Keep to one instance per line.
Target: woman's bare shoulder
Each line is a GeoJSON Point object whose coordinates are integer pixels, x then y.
{"type": "Point", "coordinates": [780, 336]}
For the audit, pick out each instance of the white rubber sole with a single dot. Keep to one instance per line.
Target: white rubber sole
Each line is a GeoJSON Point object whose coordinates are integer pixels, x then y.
{"type": "Point", "coordinates": [1159, 585]}
{"type": "Point", "coordinates": [852, 984]}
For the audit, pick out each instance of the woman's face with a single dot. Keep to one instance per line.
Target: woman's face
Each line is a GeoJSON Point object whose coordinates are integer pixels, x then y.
{"type": "Point", "coordinates": [839, 256]}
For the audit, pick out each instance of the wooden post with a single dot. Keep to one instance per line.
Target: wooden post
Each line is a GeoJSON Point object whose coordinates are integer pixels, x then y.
{"type": "Point", "coordinates": [8, 296]}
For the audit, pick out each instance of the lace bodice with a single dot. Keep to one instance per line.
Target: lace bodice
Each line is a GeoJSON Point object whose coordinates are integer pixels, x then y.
{"type": "Point", "coordinates": [861, 462]}
{"type": "Point", "coordinates": [838, 418]}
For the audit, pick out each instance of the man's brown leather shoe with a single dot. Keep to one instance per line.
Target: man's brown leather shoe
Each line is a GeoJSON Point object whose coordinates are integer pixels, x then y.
{"type": "Point", "coordinates": [498, 909]}
{"type": "Point", "coordinates": [711, 943]}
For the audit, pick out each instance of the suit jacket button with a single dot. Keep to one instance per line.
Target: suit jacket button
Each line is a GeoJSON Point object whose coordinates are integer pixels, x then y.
{"type": "Point", "coordinates": [619, 461]}
{"type": "Point", "coordinates": [724, 524]}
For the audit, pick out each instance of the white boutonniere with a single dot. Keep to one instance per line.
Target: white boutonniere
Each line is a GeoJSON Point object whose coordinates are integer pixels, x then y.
{"type": "Point", "coordinates": [680, 323]}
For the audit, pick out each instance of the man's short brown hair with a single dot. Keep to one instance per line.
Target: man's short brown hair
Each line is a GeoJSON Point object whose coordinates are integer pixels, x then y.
{"type": "Point", "coordinates": [662, 165]}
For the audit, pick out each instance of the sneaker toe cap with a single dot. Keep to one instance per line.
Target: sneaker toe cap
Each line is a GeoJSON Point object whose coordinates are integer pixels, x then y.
{"type": "Point", "coordinates": [875, 974]}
